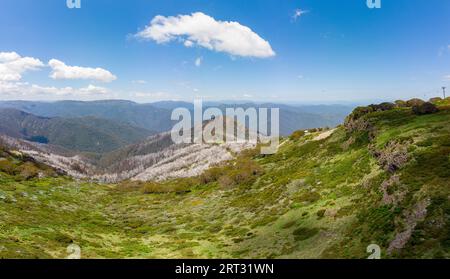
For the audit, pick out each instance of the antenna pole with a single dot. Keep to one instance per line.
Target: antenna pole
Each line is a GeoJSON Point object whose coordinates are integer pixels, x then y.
{"type": "Point", "coordinates": [443, 90]}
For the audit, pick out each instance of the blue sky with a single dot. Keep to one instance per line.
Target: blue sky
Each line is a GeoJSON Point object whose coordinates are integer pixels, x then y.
{"type": "Point", "coordinates": [336, 50]}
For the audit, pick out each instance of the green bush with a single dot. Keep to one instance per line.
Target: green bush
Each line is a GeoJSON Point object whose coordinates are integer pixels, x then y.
{"type": "Point", "coordinates": [297, 135]}
{"type": "Point", "coordinates": [243, 173]}
{"type": "Point", "coordinates": [8, 167]}
{"type": "Point", "coordinates": [211, 175]}
{"type": "Point", "coordinates": [425, 108]}
{"type": "Point", "coordinates": [400, 104]}
{"type": "Point", "coordinates": [359, 112]}
{"type": "Point", "coordinates": [162, 188]}
{"type": "Point", "coordinates": [28, 170]}
{"type": "Point", "coordinates": [414, 102]}
{"type": "Point", "coordinates": [435, 100]}
{"type": "Point", "coordinates": [382, 107]}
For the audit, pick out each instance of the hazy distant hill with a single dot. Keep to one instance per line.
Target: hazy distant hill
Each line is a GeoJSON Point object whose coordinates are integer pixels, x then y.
{"type": "Point", "coordinates": [126, 112]}
{"type": "Point", "coordinates": [89, 134]}
{"type": "Point", "coordinates": [156, 116]}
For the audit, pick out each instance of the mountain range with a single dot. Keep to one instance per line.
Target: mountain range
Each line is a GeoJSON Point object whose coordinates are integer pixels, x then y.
{"type": "Point", "coordinates": [157, 116]}
{"type": "Point", "coordinates": [84, 134]}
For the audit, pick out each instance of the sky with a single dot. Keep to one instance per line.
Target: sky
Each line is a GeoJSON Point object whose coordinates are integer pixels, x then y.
{"type": "Point", "coordinates": [260, 50]}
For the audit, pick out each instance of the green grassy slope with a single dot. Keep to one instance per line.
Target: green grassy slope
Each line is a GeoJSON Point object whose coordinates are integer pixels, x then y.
{"type": "Point", "coordinates": [381, 179]}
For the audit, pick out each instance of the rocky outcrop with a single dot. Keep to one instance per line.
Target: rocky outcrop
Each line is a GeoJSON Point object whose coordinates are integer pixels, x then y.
{"type": "Point", "coordinates": [411, 218]}
{"type": "Point", "coordinates": [393, 157]}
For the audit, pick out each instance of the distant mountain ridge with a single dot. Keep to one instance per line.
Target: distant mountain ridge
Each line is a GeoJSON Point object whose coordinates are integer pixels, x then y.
{"type": "Point", "coordinates": [157, 116]}
{"type": "Point", "coordinates": [83, 134]}
{"type": "Point", "coordinates": [124, 112]}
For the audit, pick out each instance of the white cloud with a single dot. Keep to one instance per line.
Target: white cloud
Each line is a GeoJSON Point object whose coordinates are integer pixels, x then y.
{"type": "Point", "coordinates": [12, 66]}
{"type": "Point", "coordinates": [447, 77]}
{"type": "Point", "coordinates": [26, 90]}
{"type": "Point", "coordinates": [300, 76]}
{"type": "Point", "coordinates": [298, 13]}
{"type": "Point", "coordinates": [61, 71]}
{"type": "Point", "coordinates": [8, 56]}
{"type": "Point", "coordinates": [247, 96]}
{"type": "Point", "coordinates": [198, 61]}
{"type": "Point", "coordinates": [199, 29]}
{"type": "Point", "coordinates": [93, 90]}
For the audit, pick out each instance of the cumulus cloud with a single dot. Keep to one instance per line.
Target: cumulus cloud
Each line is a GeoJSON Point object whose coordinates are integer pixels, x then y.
{"type": "Point", "coordinates": [93, 90]}
{"type": "Point", "coordinates": [62, 71]}
{"type": "Point", "coordinates": [26, 90]}
{"type": "Point", "coordinates": [199, 29]}
{"type": "Point", "coordinates": [12, 66]}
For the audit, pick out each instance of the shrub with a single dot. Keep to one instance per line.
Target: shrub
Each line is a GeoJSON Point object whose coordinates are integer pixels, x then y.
{"type": "Point", "coordinates": [153, 187]}
{"type": "Point", "coordinates": [414, 102]}
{"type": "Point", "coordinates": [382, 107]}
{"type": "Point", "coordinates": [181, 185]}
{"type": "Point", "coordinates": [211, 175]}
{"type": "Point", "coordinates": [357, 113]}
{"type": "Point", "coordinates": [28, 170]}
{"type": "Point", "coordinates": [226, 181]}
{"type": "Point", "coordinates": [8, 167]}
{"type": "Point", "coordinates": [400, 104]}
{"type": "Point", "coordinates": [244, 173]}
{"type": "Point", "coordinates": [435, 100]}
{"type": "Point", "coordinates": [361, 111]}
{"type": "Point", "coordinates": [297, 135]}
{"type": "Point", "coordinates": [425, 108]}
{"type": "Point", "coordinates": [163, 188]}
